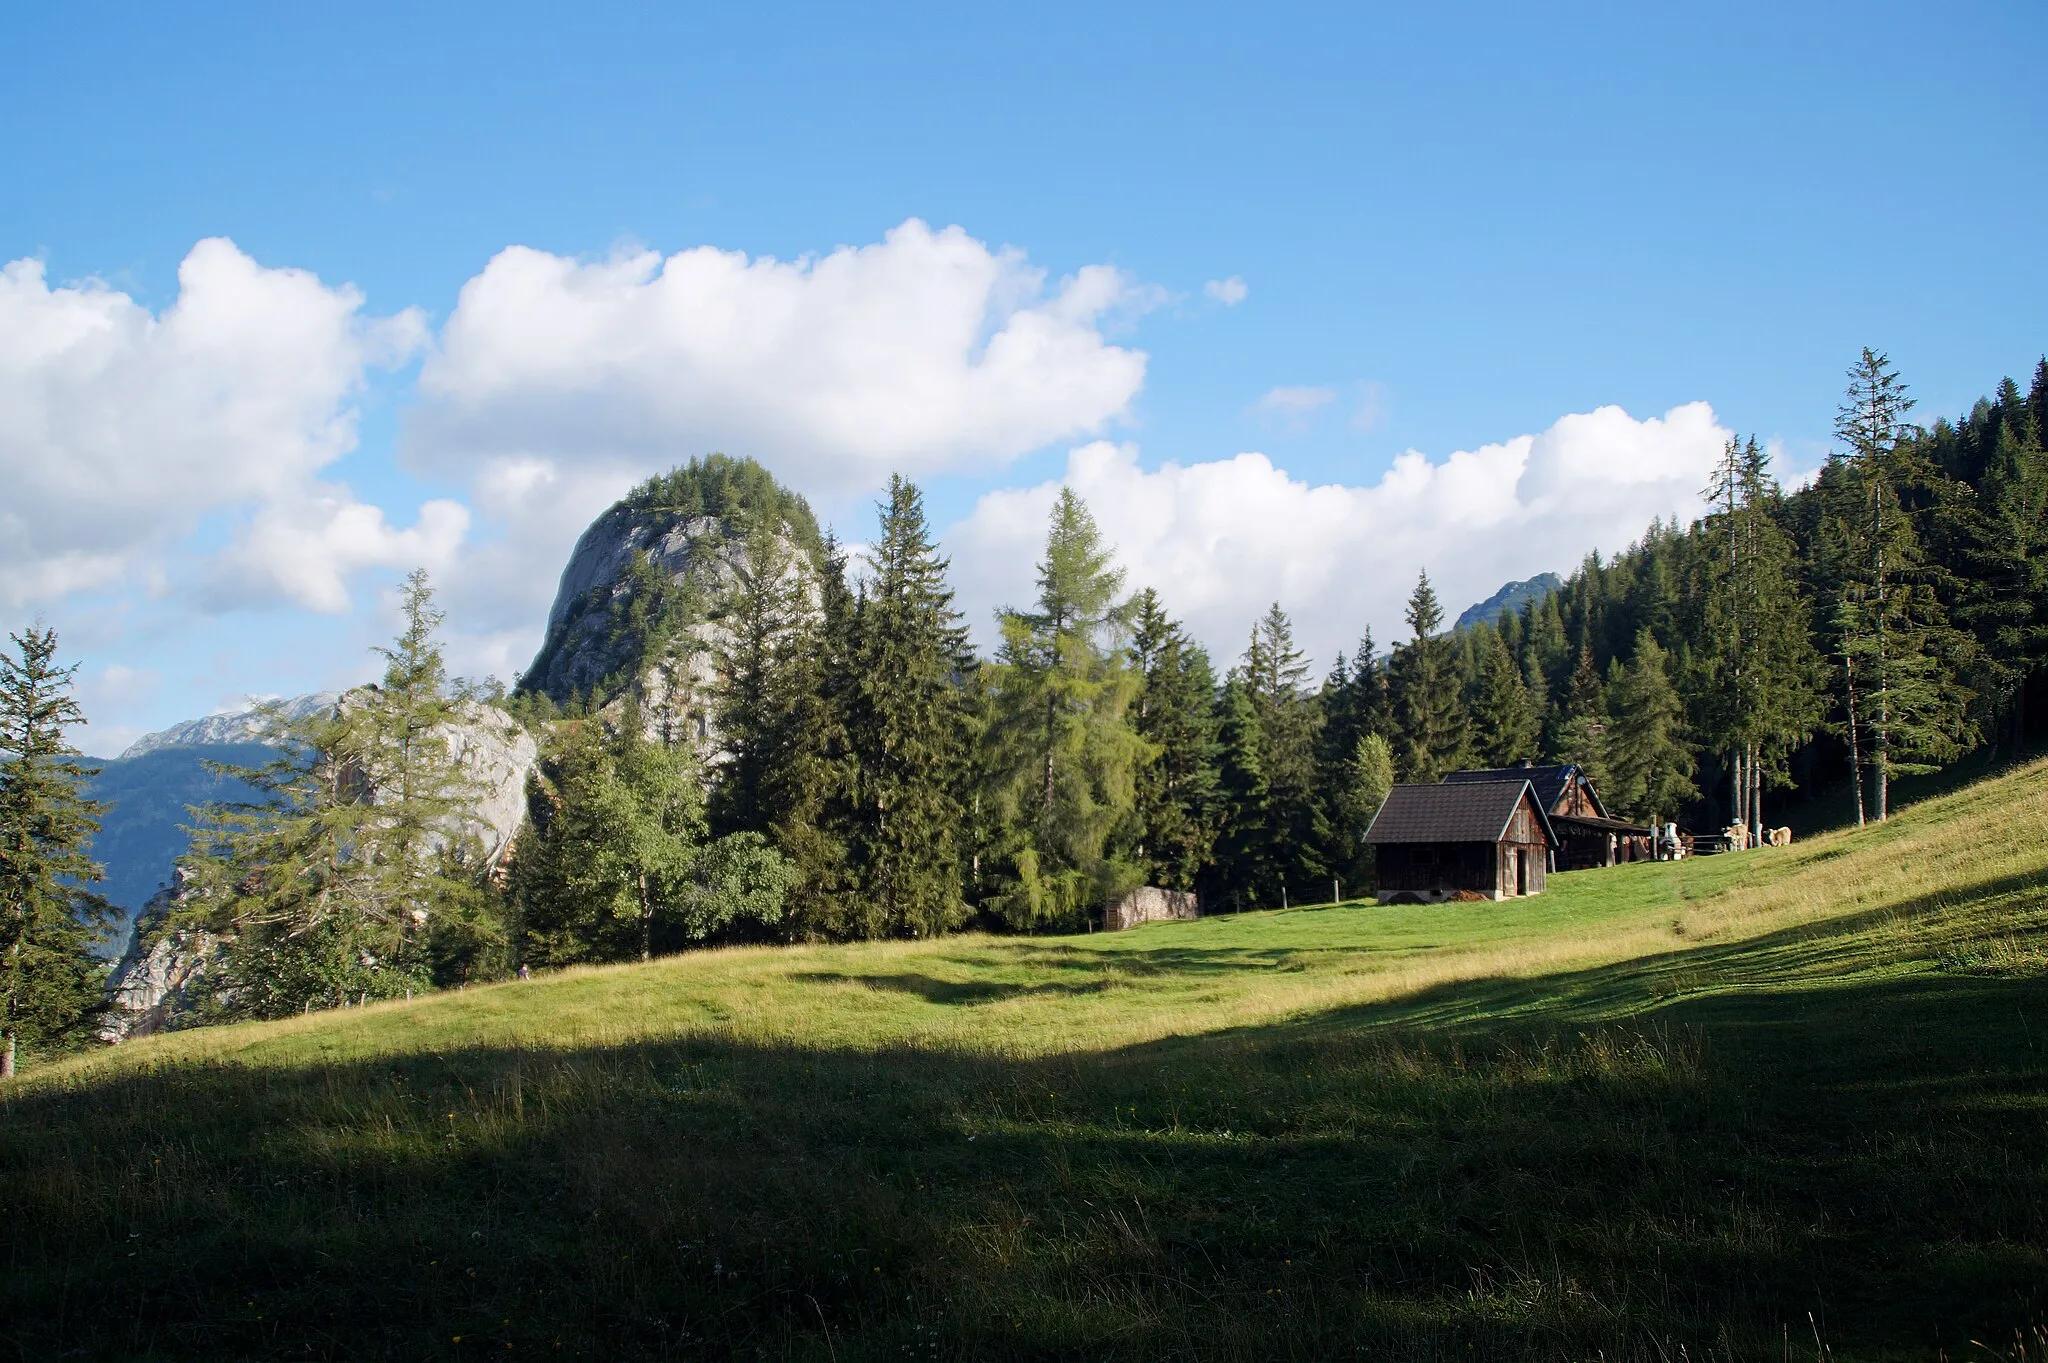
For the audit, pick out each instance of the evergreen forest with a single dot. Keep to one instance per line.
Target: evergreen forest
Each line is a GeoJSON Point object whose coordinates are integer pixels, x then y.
{"type": "Point", "coordinates": [838, 762]}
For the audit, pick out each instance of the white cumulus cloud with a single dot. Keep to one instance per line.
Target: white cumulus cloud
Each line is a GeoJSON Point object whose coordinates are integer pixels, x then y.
{"type": "Point", "coordinates": [558, 383]}
{"type": "Point", "coordinates": [923, 352]}
{"type": "Point", "coordinates": [120, 428]}
{"type": "Point", "coordinates": [1229, 292]}
{"type": "Point", "coordinates": [1222, 540]}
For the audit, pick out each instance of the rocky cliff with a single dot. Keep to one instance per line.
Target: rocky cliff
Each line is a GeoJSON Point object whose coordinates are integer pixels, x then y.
{"type": "Point", "coordinates": [161, 962]}
{"type": "Point", "coordinates": [644, 601]}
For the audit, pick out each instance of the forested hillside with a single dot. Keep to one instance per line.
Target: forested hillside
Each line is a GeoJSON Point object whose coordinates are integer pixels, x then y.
{"type": "Point", "coordinates": [1884, 620]}
{"type": "Point", "coordinates": [773, 743]}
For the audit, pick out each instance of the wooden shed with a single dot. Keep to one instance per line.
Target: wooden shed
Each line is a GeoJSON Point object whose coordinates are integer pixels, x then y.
{"type": "Point", "coordinates": [1482, 839]}
{"type": "Point", "coordinates": [1587, 835]}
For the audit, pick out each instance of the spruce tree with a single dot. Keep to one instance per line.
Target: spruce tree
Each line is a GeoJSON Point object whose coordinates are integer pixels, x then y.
{"type": "Point", "coordinates": [1275, 674]}
{"type": "Point", "coordinates": [1244, 875]}
{"type": "Point", "coordinates": [1891, 630]}
{"type": "Point", "coordinates": [1761, 678]}
{"type": "Point", "coordinates": [1176, 790]}
{"type": "Point", "coordinates": [51, 987]}
{"type": "Point", "coordinates": [809, 787]}
{"type": "Point", "coordinates": [1429, 721]}
{"type": "Point", "coordinates": [1581, 732]}
{"type": "Point", "coordinates": [1505, 725]}
{"type": "Point", "coordinates": [770, 633]}
{"type": "Point", "coordinates": [2005, 604]}
{"type": "Point", "coordinates": [1649, 764]}
{"type": "Point", "coordinates": [907, 725]}
{"type": "Point", "coordinates": [1071, 757]}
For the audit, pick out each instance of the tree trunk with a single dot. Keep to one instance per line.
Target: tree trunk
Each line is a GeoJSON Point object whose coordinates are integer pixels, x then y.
{"type": "Point", "coordinates": [646, 922]}
{"type": "Point", "coordinates": [7, 1058]}
{"type": "Point", "coordinates": [1855, 738]}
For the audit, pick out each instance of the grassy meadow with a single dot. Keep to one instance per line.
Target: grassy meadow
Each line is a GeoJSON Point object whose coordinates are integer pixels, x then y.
{"type": "Point", "coordinates": [1790, 1103]}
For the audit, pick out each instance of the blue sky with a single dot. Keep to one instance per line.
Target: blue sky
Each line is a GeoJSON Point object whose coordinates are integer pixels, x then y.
{"type": "Point", "coordinates": [1452, 227]}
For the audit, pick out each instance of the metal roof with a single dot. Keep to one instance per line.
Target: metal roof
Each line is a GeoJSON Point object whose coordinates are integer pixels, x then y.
{"type": "Point", "coordinates": [1462, 811]}
{"type": "Point", "coordinates": [1550, 783]}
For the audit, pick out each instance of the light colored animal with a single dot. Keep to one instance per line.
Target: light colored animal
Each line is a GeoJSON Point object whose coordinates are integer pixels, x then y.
{"type": "Point", "coordinates": [1781, 837]}
{"type": "Point", "coordinates": [1737, 835]}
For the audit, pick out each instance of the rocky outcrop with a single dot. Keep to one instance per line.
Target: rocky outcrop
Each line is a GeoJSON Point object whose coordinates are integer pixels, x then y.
{"type": "Point", "coordinates": [644, 601]}
{"type": "Point", "coordinates": [497, 754]}
{"type": "Point", "coordinates": [151, 986]}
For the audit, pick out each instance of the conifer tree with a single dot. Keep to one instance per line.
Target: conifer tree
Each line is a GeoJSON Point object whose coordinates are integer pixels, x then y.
{"type": "Point", "coordinates": [1275, 674]}
{"type": "Point", "coordinates": [810, 784]}
{"type": "Point", "coordinates": [1892, 634]}
{"type": "Point", "coordinates": [1649, 764]}
{"type": "Point", "coordinates": [1071, 758]}
{"type": "Point", "coordinates": [1762, 677]}
{"type": "Point", "coordinates": [770, 629]}
{"type": "Point", "coordinates": [1581, 733]}
{"type": "Point", "coordinates": [1429, 721]}
{"type": "Point", "coordinates": [1354, 704]}
{"type": "Point", "coordinates": [1176, 791]}
{"type": "Point", "coordinates": [1505, 726]}
{"type": "Point", "coordinates": [2006, 601]}
{"type": "Point", "coordinates": [1368, 776]}
{"type": "Point", "coordinates": [355, 871]}
{"type": "Point", "coordinates": [1244, 875]}
{"type": "Point", "coordinates": [907, 727]}
{"type": "Point", "coordinates": [50, 985]}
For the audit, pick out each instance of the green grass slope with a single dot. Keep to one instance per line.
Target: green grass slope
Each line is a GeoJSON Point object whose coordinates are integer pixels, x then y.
{"type": "Point", "coordinates": [1788, 1103]}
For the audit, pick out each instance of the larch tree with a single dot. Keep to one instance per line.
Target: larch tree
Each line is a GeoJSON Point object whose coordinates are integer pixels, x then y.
{"type": "Point", "coordinates": [354, 872]}
{"type": "Point", "coordinates": [51, 987]}
{"type": "Point", "coordinates": [1067, 777]}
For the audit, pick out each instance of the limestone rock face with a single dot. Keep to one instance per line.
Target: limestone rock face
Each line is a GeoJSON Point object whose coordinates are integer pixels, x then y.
{"type": "Point", "coordinates": [149, 986]}
{"type": "Point", "coordinates": [497, 754]}
{"type": "Point", "coordinates": [598, 644]}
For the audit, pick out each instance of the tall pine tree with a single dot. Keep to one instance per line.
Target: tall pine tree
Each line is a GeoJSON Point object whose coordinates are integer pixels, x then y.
{"type": "Point", "coordinates": [50, 984]}
{"type": "Point", "coordinates": [907, 725]}
{"type": "Point", "coordinates": [1176, 791]}
{"type": "Point", "coordinates": [1430, 735]}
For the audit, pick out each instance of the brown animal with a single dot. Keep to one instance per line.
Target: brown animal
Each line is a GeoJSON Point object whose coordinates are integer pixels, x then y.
{"type": "Point", "coordinates": [1737, 835]}
{"type": "Point", "coordinates": [1781, 837]}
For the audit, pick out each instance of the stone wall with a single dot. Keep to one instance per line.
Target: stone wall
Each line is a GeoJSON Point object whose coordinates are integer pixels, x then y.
{"type": "Point", "coordinates": [1149, 905]}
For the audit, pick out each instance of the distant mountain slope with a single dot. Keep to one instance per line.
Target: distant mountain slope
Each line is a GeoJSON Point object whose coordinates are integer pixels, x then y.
{"type": "Point", "coordinates": [242, 726]}
{"type": "Point", "coordinates": [142, 833]}
{"type": "Point", "coordinates": [1510, 597]}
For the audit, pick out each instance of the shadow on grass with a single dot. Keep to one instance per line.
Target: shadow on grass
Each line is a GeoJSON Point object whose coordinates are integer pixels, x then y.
{"type": "Point", "coordinates": [1583, 1165]}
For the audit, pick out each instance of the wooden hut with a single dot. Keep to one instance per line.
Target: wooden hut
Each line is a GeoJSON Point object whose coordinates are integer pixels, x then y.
{"type": "Point", "coordinates": [1587, 835]}
{"type": "Point", "coordinates": [1483, 840]}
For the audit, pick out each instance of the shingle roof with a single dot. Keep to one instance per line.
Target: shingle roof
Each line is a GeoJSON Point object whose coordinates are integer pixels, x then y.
{"type": "Point", "coordinates": [1461, 811]}
{"type": "Point", "coordinates": [1549, 782]}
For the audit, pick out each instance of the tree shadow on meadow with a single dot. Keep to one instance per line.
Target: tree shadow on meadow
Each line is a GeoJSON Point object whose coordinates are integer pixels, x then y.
{"type": "Point", "coordinates": [1595, 1163]}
